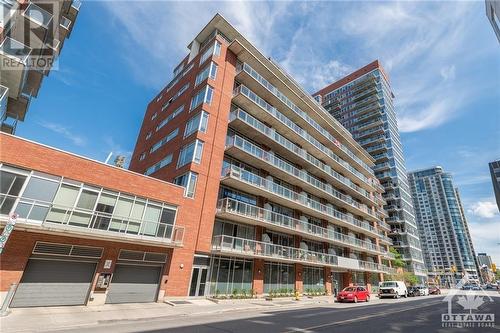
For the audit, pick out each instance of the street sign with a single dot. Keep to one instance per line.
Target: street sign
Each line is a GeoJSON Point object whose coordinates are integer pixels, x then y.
{"type": "Point", "coordinates": [8, 230]}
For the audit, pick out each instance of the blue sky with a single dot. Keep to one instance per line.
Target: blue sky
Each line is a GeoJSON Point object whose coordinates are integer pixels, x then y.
{"type": "Point", "coordinates": [442, 57]}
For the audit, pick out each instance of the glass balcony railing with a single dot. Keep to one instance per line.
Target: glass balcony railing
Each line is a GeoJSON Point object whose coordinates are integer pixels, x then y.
{"type": "Point", "coordinates": [266, 84]}
{"type": "Point", "coordinates": [271, 159]}
{"type": "Point", "coordinates": [65, 22]}
{"type": "Point", "coordinates": [38, 15]}
{"type": "Point", "coordinates": [269, 217]}
{"type": "Point", "coordinates": [302, 133]}
{"type": "Point", "coordinates": [56, 216]}
{"type": "Point", "coordinates": [368, 132]}
{"type": "Point", "coordinates": [16, 50]}
{"type": "Point", "coordinates": [299, 199]}
{"type": "Point", "coordinates": [252, 248]}
{"type": "Point", "coordinates": [76, 4]}
{"type": "Point", "coordinates": [235, 245]}
{"type": "Point", "coordinates": [376, 147]}
{"type": "Point", "coordinates": [290, 146]}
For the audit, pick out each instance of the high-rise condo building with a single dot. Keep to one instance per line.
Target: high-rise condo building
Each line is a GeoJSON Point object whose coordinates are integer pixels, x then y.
{"type": "Point", "coordinates": [32, 34]}
{"type": "Point", "coordinates": [287, 198]}
{"type": "Point", "coordinates": [363, 103]}
{"type": "Point", "coordinates": [495, 179]}
{"type": "Point", "coordinates": [493, 14]}
{"type": "Point", "coordinates": [484, 259]}
{"type": "Point", "coordinates": [444, 233]}
{"type": "Point", "coordinates": [271, 194]}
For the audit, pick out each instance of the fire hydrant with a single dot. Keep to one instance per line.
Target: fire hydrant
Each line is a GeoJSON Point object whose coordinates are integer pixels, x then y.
{"type": "Point", "coordinates": [297, 295]}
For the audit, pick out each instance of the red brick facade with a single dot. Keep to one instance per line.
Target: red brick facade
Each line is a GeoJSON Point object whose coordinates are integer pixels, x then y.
{"type": "Point", "coordinates": [25, 154]}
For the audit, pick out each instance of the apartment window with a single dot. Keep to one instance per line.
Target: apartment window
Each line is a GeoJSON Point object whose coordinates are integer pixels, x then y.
{"type": "Point", "coordinates": [191, 153]}
{"type": "Point", "coordinates": [178, 69]}
{"type": "Point", "coordinates": [209, 71]}
{"type": "Point", "coordinates": [197, 123]}
{"type": "Point", "coordinates": [142, 156]}
{"type": "Point", "coordinates": [148, 135]}
{"type": "Point", "coordinates": [212, 50]}
{"type": "Point", "coordinates": [188, 181]}
{"type": "Point", "coordinates": [163, 141]}
{"type": "Point", "coordinates": [157, 166]}
{"type": "Point", "coordinates": [170, 117]}
{"type": "Point", "coordinates": [153, 117]}
{"type": "Point", "coordinates": [203, 96]}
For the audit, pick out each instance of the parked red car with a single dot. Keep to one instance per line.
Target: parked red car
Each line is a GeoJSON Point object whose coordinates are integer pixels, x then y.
{"type": "Point", "coordinates": [354, 294]}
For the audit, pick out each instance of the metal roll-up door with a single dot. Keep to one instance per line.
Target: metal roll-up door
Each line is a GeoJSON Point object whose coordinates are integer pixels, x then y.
{"type": "Point", "coordinates": [134, 284]}
{"type": "Point", "coordinates": [53, 283]}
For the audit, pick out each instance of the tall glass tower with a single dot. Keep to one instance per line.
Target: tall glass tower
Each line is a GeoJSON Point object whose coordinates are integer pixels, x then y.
{"type": "Point", "coordinates": [363, 103]}
{"type": "Point", "coordinates": [446, 241]}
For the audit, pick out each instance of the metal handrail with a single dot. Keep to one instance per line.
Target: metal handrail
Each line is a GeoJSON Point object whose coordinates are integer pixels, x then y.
{"type": "Point", "coordinates": [270, 186]}
{"type": "Point", "coordinates": [251, 121]}
{"type": "Point", "coordinates": [269, 217]}
{"type": "Point", "coordinates": [257, 152]}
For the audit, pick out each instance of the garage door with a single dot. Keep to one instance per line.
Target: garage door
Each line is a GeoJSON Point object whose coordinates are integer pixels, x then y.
{"type": "Point", "coordinates": [51, 283]}
{"type": "Point", "coordinates": [134, 284]}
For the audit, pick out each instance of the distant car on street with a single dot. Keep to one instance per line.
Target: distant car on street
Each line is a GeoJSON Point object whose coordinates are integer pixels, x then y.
{"type": "Point", "coordinates": [394, 289]}
{"type": "Point", "coordinates": [434, 290]}
{"type": "Point", "coordinates": [423, 290]}
{"type": "Point", "coordinates": [353, 294]}
{"type": "Point", "coordinates": [413, 291]}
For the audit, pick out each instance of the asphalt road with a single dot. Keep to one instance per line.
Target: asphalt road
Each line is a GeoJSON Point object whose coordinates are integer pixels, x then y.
{"type": "Point", "coordinates": [414, 315]}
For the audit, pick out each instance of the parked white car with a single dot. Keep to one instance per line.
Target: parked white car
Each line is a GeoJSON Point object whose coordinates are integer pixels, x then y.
{"type": "Point", "coordinates": [423, 290]}
{"type": "Point", "coordinates": [394, 289]}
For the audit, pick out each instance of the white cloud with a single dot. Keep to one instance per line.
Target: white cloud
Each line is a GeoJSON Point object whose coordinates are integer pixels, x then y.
{"type": "Point", "coordinates": [66, 132]}
{"type": "Point", "coordinates": [486, 238]}
{"type": "Point", "coordinates": [484, 209]}
{"type": "Point", "coordinates": [448, 72]}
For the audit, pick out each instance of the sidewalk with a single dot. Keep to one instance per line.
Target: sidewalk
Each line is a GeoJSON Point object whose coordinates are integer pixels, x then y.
{"type": "Point", "coordinates": [51, 318]}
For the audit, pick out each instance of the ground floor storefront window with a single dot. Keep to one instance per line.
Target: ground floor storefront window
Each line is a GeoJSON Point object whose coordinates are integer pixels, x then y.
{"type": "Point", "coordinates": [313, 279]}
{"type": "Point", "coordinates": [278, 277]}
{"type": "Point", "coordinates": [358, 278]}
{"type": "Point", "coordinates": [374, 281]}
{"type": "Point", "coordinates": [230, 275]}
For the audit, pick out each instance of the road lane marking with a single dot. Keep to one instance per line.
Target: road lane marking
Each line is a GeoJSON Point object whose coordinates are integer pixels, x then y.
{"type": "Point", "coordinates": [347, 321]}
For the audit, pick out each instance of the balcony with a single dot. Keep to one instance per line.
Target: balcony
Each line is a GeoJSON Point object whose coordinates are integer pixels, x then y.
{"type": "Point", "coordinates": [66, 220]}
{"type": "Point", "coordinates": [249, 214]}
{"type": "Point", "coordinates": [254, 104]}
{"type": "Point", "coordinates": [35, 28]}
{"type": "Point", "coordinates": [374, 131]}
{"type": "Point", "coordinates": [248, 248]}
{"type": "Point", "coordinates": [14, 61]}
{"type": "Point", "coordinates": [245, 73]}
{"type": "Point", "coordinates": [33, 82]}
{"type": "Point", "coordinates": [244, 150]}
{"type": "Point", "coordinates": [256, 130]}
{"type": "Point", "coordinates": [376, 148]}
{"type": "Point", "coordinates": [254, 184]}
{"type": "Point", "coordinates": [370, 124]}
{"type": "Point", "coordinates": [4, 96]}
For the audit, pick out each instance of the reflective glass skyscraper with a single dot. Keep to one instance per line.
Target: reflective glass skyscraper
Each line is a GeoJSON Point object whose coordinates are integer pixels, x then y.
{"type": "Point", "coordinates": [446, 241]}
{"type": "Point", "coordinates": [363, 103]}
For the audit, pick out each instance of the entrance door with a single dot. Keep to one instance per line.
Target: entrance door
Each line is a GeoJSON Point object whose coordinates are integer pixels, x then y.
{"type": "Point", "coordinates": [198, 281]}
